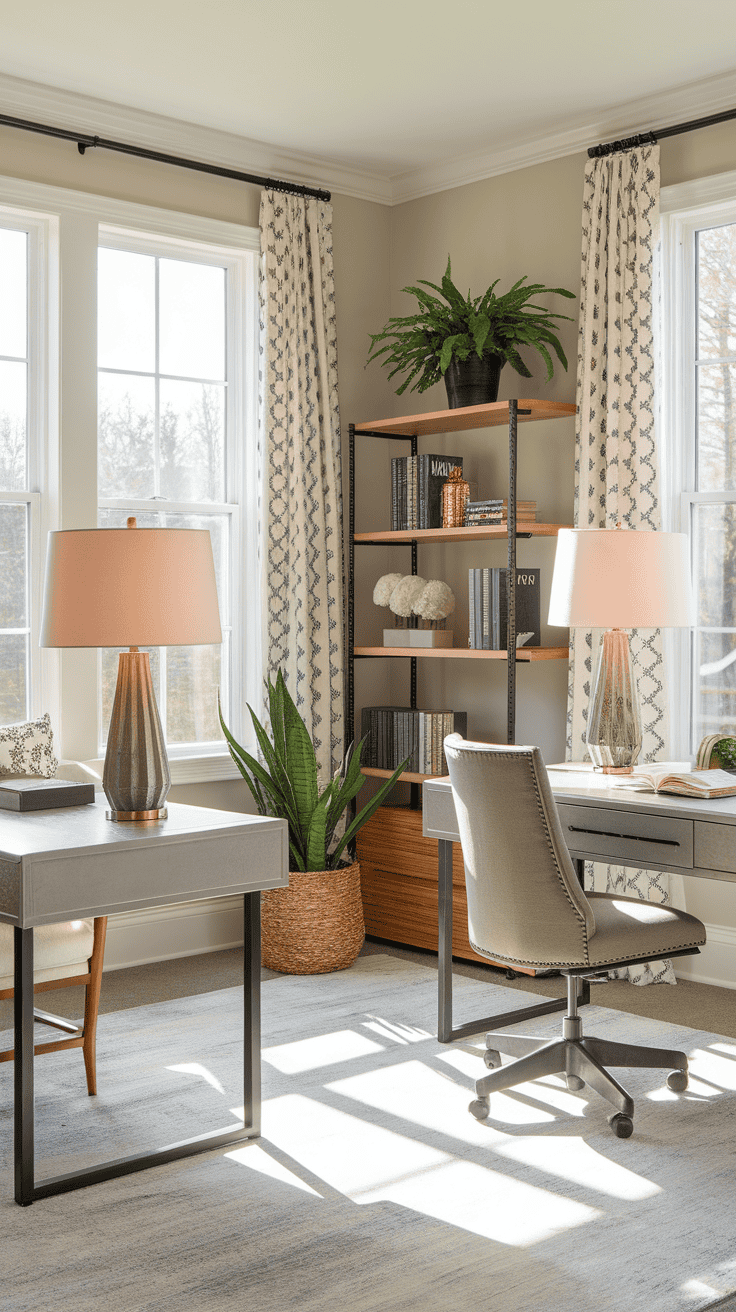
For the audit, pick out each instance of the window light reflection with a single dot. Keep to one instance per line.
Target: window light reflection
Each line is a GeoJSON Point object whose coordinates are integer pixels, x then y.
{"type": "Point", "coordinates": [574, 1160]}
{"type": "Point", "coordinates": [389, 1029]}
{"type": "Point", "coordinates": [194, 1068]}
{"type": "Point", "coordinates": [322, 1050]}
{"type": "Point", "coordinates": [421, 1096]}
{"type": "Point", "coordinates": [258, 1160]}
{"type": "Point", "coordinates": [371, 1164]}
{"type": "Point", "coordinates": [504, 1106]}
{"type": "Point", "coordinates": [710, 1066]}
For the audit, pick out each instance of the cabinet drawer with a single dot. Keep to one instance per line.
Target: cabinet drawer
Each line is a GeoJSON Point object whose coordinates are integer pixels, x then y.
{"type": "Point", "coordinates": [645, 840]}
{"type": "Point", "coordinates": [715, 846]}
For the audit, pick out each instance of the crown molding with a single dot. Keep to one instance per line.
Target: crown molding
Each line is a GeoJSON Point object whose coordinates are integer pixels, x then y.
{"type": "Point", "coordinates": [32, 100]}
{"type": "Point", "coordinates": [67, 109]}
{"type": "Point", "coordinates": [695, 100]}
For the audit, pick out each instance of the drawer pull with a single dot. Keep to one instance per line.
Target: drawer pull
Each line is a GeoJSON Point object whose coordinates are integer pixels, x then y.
{"type": "Point", "coordinates": [633, 838]}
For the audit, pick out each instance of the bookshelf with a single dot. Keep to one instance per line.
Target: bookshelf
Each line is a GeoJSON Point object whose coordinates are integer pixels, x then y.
{"type": "Point", "coordinates": [410, 428]}
{"type": "Point", "coordinates": [398, 865]}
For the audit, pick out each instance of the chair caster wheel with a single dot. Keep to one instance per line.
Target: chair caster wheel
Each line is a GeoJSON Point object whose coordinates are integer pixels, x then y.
{"type": "Point", "coordinates": [480, 1108]}
{"type": "Point", "coordinates": [622, 1126]}
{"type": "Point", "coordinates": [492, 1058]}
{"type": "Point", "coordinates": [575, 1082]}
{"type": "Point", "coordinates": [677, 1081]}
{"type": "Point", "coordinates": [511, 974]}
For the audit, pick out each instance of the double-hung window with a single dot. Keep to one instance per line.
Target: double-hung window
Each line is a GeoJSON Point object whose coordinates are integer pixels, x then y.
{"type": "Point", "coordinates": [699, 445]}
{"type": "Point", "coordinates": [27, 420]}
{"type": "Point", "coordinates": [157, 372]}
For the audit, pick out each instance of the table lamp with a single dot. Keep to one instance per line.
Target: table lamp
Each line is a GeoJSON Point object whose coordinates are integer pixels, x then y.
{"type": "Point", "coordinates": [131, 587]}
{"type": "Point", "coordinates": [618, 579]}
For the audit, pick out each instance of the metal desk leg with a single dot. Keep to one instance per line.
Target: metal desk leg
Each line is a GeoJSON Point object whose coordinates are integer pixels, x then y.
{"type": "Point", "coordinates": [252, 1013]}
{"type": "Point", "coordinates": [445, 1031]}
{"type": "Point", "coordinates": [23, 1073]}
{"type": "Point", "coordinates": [25, 1190]}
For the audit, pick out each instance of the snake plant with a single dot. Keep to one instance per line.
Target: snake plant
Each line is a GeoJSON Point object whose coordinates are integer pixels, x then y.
{"type": "Point", "coordinates": [287, 784]}
{"type": "Point", "coordinates": [452, 326]}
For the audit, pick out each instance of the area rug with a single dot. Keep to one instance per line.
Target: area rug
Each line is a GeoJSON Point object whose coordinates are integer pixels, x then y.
{"type": "Point", "coordinates": [372, 1187]}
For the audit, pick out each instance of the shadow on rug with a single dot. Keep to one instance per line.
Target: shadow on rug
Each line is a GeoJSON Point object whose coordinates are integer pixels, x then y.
{"type": "Point", "coordinates": [372, 1187]}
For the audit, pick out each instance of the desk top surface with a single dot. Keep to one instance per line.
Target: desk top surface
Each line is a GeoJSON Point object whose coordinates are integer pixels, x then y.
{"type": "Point", "coordinates": [70, 829]}
{"type": "Point", "coordinates": [591, 789]}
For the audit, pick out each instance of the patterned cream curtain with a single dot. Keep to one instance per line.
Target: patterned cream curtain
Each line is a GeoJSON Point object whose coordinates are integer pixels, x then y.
{"type": "Point", "coordinates": [303, 576]}
{"type": "Point", "coordinates": [616, 456]}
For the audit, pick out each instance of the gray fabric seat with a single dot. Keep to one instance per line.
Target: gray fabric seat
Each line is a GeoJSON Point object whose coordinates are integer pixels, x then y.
{"type": "Point", "coordinates": [526, 908]}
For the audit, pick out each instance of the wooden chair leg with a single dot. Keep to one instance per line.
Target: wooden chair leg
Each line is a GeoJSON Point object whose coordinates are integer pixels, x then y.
{"type": "Point", "coordinates": [91, 1003]}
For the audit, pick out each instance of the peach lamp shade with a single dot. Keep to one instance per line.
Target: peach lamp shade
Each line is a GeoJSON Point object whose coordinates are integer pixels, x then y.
{"type": "Point", "coordinates": [612, 578]}
{"type": "Point", "coordinates": [113, 587]}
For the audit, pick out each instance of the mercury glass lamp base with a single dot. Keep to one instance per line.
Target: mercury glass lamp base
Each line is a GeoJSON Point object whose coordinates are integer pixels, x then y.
{"type": "Point", "coordinates": [614, 723]}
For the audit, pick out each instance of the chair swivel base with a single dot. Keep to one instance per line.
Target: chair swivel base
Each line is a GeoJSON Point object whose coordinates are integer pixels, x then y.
{"type": "Point", "coordinates": [583, 1060]}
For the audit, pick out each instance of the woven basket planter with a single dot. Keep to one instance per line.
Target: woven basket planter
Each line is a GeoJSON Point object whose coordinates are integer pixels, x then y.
{"type": "Point", "coordinates": [316, 924]}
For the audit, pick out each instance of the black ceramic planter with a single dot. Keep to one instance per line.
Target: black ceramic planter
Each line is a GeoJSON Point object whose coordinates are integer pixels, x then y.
{"type": "Point", "coordinates": [473, 381]}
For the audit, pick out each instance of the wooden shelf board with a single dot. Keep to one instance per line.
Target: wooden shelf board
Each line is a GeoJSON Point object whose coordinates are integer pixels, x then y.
{"type": "Point", "coordinates": [467, 653]}
{"type": "Point", "coordinates": [473, 416]}
{"type": "Point", "coordinates": [471, 534]}
{"type": "Point", "coordinates": [406, 778]}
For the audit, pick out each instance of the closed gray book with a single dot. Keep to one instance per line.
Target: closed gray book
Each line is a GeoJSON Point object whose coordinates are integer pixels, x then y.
{"type": "Point", "coordinates": [43, 794]}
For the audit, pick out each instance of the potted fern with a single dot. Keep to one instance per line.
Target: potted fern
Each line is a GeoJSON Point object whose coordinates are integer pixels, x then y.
{"type": "Point", "coordinates": [467, 340]}
{"type": "Point", "coordinates": [316, 924]}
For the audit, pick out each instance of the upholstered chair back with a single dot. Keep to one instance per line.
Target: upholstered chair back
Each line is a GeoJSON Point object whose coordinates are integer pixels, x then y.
{"type": "Point", "coordinates": [525, 905]}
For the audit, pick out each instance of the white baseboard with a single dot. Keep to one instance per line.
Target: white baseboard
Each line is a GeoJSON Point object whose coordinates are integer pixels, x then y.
{"type": "Point", "coordinates": [717, 961]}
{"type": "Point", "coordinates": [137, 938]}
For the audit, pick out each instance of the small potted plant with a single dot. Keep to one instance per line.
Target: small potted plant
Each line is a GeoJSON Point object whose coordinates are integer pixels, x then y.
{"type": "Point", "coordinates": [316, 924]}
{"type": "Point", "coordinates": [467, 340]}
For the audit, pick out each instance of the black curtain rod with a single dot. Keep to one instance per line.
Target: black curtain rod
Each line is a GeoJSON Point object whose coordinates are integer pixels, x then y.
{"type": "Point", "coordinates": [86, 142]}
{"type": "Point", "coordinates": [650, 138]}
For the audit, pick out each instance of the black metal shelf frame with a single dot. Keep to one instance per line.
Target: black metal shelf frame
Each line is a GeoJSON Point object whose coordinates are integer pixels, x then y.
{"type": "Point", "coordinates": [514, 412]}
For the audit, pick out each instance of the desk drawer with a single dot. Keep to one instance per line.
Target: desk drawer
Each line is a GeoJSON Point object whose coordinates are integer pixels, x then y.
{"type": "Point", "coordinates": [715, 846]}
{"type": "Point", "coordinates": [645, 840]}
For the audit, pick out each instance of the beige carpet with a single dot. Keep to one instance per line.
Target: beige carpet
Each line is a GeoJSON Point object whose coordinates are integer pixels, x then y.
{"type": "Point", "coordinates": [372, 1189]}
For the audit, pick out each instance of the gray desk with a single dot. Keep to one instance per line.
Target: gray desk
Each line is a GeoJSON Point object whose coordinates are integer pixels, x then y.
{"type": "Point", "coordinates": [73, 863]}
{"type": "Point", "coordinates": [681, 835]}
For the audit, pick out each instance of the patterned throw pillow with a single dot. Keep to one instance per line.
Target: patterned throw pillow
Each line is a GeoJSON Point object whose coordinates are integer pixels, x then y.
{"type": "Point", "coordinates": [28, 748]}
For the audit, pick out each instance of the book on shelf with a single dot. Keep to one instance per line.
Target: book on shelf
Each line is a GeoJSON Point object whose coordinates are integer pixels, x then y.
{"type": "Point", "coordinates": [393, 733]}
{"type": "Point", "coordinates": [416, 490]}
{"type": "Point", "coordinates": [488, 609]}
{"type": "Point", "coordinates": [500, 503]}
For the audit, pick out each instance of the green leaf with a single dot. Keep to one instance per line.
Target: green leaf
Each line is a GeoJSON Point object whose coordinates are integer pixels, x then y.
{"type": "Point", "coordinates": [316, 846]}
{"type": "Point", "coordinates": [368, 810]}
{"type": "Point", "coordinates": [480, 330]}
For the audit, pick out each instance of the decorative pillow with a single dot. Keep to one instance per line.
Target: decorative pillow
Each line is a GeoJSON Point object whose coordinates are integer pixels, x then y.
{"type": "Point", "coordinates": [28, 748]}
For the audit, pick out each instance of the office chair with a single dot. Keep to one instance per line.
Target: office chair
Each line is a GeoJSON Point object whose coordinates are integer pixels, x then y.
{"type": "Point", "coordinates": [63, 955]}
{"type": "Point", "coordinates": [526, 908]}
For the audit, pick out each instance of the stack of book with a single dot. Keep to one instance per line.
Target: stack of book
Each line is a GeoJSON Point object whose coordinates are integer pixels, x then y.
{"type": "Point", "coordinates": [487, 605]}
{"type": "Point", "coordinates": [496, 511]}
{"type": "Point", "coordinates": [416, 489]}
{"type": "Point", "coordinates": [394, 732]}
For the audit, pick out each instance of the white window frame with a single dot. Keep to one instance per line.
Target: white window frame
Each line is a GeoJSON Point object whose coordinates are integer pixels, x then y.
{"type": "Point", "coordinates": [80, 220]}
{"type": "Point", "coordinates": [684, 209]}
{"type": "Point", "coordinates": [42, 492]}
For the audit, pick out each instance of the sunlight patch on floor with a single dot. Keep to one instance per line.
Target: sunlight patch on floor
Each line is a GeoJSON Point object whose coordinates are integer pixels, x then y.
{"type": "Point", "coordinates": [506, 1108]}
{"type": "Point", "coordinates": [574, 1160]}
{"type": "Point", "coordinates": [194, 1068]}
{"type": "Point", "coordinates": [322, 1050]}
{"type": "Point", "coordinates": [700, 1289]}
{"type": "Point", "coordinates": [416, 1093]}
{"type": "Point", "coordinates": [256, 1157]}
{"type": "Point", "coordinates": [369, 1163]}
{"type": "Point", "coordinates": [714, 1068]}
{"type": "Point", "coordinates": [389, 1029]}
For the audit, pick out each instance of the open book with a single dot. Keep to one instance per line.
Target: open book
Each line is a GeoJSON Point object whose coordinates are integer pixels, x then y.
{"type": "Point", "coordinates": [690, 783]}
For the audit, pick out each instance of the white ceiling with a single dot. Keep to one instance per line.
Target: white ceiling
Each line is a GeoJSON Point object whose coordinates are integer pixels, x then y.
{"type": "Point", "coordinates": [383, 87]}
